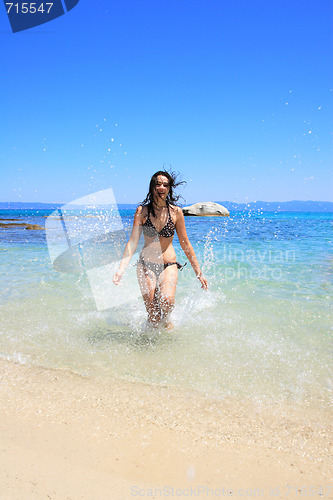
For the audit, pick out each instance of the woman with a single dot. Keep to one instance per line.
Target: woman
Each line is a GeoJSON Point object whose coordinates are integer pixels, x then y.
{"type": "Point", "coordinates": [157, 269]}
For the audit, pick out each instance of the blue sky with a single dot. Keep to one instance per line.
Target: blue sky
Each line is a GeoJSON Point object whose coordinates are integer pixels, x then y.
{"type": "Point", "coordinates": [235, 95]}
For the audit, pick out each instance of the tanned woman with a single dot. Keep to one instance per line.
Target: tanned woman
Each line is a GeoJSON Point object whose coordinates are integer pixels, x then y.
{"type": "Point", "coordinates": [158, 217]}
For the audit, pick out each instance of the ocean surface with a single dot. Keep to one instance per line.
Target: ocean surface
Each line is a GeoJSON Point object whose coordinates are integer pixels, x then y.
{"type": "Point", "coordinates": [262, 332]}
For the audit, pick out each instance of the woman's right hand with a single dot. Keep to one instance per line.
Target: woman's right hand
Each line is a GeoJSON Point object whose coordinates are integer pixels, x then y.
{"type": "Point", "coordinates": [117, 278]}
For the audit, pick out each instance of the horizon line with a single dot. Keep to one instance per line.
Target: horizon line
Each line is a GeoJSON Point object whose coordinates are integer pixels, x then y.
{"type": "Point", "coordinates": [190, 203]}
{"type": "Point", "coordinates": [206, 201]}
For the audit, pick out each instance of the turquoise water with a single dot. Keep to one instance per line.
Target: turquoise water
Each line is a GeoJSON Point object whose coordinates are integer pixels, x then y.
{"type": "Point", "coordinates": [262, 331]}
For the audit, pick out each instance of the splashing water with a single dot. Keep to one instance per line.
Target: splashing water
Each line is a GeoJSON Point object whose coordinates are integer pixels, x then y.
{"type": "Point", "coordinates": [260, 332]}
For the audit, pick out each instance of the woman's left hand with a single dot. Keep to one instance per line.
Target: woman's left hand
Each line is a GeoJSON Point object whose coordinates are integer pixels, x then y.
{"type": "Point", "coordinates": [117, 277]}
{"type": "Point", "coordinates": [204, 282]}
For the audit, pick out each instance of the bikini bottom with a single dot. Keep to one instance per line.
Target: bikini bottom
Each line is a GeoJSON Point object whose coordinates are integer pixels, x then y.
{"type": "Point", "coordinates": [157, 268]}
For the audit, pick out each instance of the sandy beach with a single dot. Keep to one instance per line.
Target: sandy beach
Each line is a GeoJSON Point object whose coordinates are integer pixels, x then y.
{"type": "Point", "coordinates": [64, 436]}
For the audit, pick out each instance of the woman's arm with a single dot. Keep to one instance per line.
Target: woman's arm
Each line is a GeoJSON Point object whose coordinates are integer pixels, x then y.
{"type": "Point", "coordinates": [131, 246]}
{"type": "Point", "coordinates": [187, 247]}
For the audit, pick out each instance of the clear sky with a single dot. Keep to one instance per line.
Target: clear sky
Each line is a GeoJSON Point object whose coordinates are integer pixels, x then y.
{"type": "Point", "coordinates": [236, 95]}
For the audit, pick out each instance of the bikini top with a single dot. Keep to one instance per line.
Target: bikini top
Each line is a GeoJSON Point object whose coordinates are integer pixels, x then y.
{"type": "Point", "coordinates": [166, 232]}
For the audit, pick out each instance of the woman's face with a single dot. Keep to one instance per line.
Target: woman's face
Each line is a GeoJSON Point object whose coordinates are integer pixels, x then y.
{"type": "Point", "coordinates": [161, 187]}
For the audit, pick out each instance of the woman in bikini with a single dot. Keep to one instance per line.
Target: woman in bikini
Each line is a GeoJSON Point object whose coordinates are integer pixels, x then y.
{"type": "Point", "coordinates": [157, 269]}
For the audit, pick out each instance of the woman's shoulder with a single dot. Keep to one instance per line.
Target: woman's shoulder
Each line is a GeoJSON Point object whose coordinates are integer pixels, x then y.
{"type": "Point", "coordinates": [175, 209]}
{"type": "Point", "coordinates": [142, 210]}
{"type": "Point", "coordinates": [176, 213]}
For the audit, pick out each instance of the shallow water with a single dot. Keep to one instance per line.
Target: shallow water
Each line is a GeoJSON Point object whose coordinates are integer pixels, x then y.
{"type": "Point", "coordinates": [262, 331]}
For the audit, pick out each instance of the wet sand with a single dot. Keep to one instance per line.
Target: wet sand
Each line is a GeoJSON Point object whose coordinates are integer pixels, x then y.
{"type": "Point", "coordinates": [67, 437]}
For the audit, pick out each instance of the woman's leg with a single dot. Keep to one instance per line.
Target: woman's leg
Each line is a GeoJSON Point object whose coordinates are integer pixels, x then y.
{"type": "Point", "coordinates": [150, 293]}
{"type": "Point", "coordinates": [167, 284]}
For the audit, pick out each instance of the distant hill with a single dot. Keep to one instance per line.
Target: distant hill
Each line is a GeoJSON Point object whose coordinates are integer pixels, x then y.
{"type": "Point", "coordinates": [280, 206]}
{"type": "Point", "coordinates": [29, 206]}
{"type": "Point", "coordinates": [265, 206]}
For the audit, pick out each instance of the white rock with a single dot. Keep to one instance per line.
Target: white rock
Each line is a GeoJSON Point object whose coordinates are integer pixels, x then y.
{"type": "Point", "coordinates": [206, 208]}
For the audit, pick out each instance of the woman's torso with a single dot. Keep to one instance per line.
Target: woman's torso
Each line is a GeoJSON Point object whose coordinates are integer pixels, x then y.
{"type": "Point", "coordinates": [158, 233]}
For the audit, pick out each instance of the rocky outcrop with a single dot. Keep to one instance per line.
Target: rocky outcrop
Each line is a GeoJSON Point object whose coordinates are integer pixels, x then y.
{"type": "Point", "coordinates": [24, 225]}
{"type": "Point", "coordinates": [34, 226]}
{"type": "Point", "coordinates": [206, 208]}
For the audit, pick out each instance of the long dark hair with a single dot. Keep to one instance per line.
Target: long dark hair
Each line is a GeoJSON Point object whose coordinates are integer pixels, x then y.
{"type": "Point", "coordinates": [172, 196]}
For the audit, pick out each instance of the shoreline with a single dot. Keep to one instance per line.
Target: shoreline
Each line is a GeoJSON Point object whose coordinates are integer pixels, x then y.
{"type": "Point", "coordinates": [64, 436]}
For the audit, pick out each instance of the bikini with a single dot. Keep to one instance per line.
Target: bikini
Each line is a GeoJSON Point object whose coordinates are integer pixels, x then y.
{"type": "Point", "coordinates": [166, 232]}
{"type": "Point", "coordinates": [150, 231]}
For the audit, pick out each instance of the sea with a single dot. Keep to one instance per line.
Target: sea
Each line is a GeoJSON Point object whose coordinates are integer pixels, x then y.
{"type": "Point", "coordinates": [262, 331]}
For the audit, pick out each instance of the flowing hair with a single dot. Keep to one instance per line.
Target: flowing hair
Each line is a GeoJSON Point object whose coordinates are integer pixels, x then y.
{"type": "Point", "coordinates": [172, 196]}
